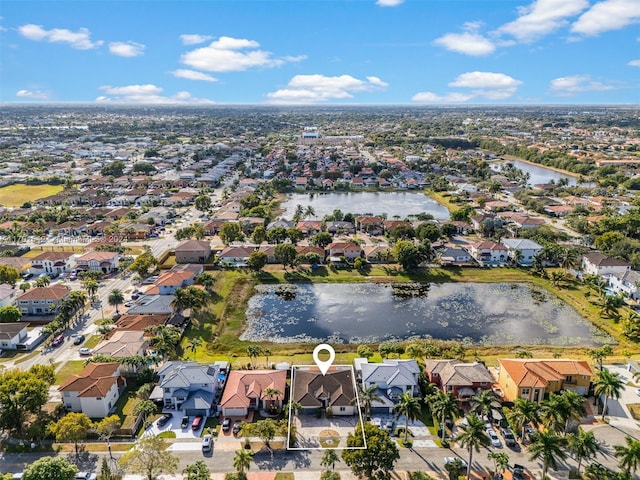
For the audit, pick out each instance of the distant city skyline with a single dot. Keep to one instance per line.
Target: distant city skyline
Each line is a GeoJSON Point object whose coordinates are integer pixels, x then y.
{"type": "Point", "coordinates": [315, 52]}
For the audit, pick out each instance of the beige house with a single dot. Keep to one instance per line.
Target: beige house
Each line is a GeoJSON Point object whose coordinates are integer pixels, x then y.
{"type": "Point", "coordinates": [193, 251]}
{"type": "Point", "coordinates": [42, 300]}
{"type": "Point", "coordinates": [250, 390]}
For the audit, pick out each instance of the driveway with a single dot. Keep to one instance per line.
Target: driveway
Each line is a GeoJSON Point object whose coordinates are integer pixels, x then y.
{"type": "Point", "coordinates": [174, 426]}
{"type": "Point", "coordinates": [618, 408]}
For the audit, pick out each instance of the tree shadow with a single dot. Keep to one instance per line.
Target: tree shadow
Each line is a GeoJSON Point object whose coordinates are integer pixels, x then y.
{"type": "Point", "coordinates": [267, 277]}
{"type": "Point", "coordinates": [296, 277]}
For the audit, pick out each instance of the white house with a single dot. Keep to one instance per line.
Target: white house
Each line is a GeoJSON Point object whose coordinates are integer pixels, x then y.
{"type": "Point", "coordinates": [602, 265]}
{"type": "Point", "coordinates": [489, 252]}
{"type": "Point", "coordinates": [7, 294]}
{"type": "Point", "coordinates": [105, 262]}
{"type": "Point", "coordinates": [236, 256]}
{"type": "Point", "coordinates": [527, 248]}
{"type": "Point", "coordinates": [11, 334]}
{"type": "Point", "coordinates": [393, 378]}
{"type": "Point", "coordinates": [454, 255]}
{"type": "Point", "coordinates": [52, 263]}
{"type": "Point", "coordinates": [190, 386]}
{"type": "Point", "coordinates": [94, 391]}
{"type": "Point", "coordinates": [627, 283]}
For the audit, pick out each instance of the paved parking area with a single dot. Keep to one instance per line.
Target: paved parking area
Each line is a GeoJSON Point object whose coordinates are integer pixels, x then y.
{"type": "Point", "coordinates": [174, 425]}
{"type": "Point", "coordinates": [416, 426]}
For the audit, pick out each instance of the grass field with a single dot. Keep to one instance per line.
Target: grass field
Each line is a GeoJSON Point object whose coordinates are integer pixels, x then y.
{"type": "Point", "coordinates": [72, 367]}
{"type": "Point", "coordinates": [17, 194]}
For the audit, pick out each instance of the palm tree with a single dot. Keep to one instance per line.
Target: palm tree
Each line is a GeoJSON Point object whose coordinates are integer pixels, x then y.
{"type": "Point", "coordinates": [483, 403]}
{"type": "Point", "coordinates": [629, 455]}
{"type": "Point", "coordinates": [472, 437]}
{"type": "Point", "coordinates": [523, 413]}
{"type": "Point", "coordinates": [165, 338]}
{"type": "Point", "coordinates": [194, 343]}
{"type": "Point", "coordinates": [444, 406]}
{"type": "Point", "coordinates": [242, 460]}
{"type": "Point", "coordinates": [573, 405]}
{"type": "Point", "coordinates": [568, 258]}
{"type": "Point", "coordinates": [548, 446]}
{"type": "Point", "coordinates": [329, 459]}
{"type": "Point", "coordinates": [115, 298]}
{"type": "Point", "coordinates": [500, 461]}
{"type": "Point", "coordinates": [408, 406]}
{"type": "Point", "coordinates": [91, 286]}
{"type": "Point", "coordinates": [583, 445]}
{"type": "Point", "coordinates": [272, 392]}
{"type": "Point", "coordinates": [252, 352]}
{"type": "Point", "coordinates": [607, 384]}
{"type": "Point", "coordinates": [206, 280]}
{"type": "Point", "coordinates": [367, 396]}
{"type": "Point", "coordinates": [309, 212]}
{"type": "Point", "coordinates": [552, 412]}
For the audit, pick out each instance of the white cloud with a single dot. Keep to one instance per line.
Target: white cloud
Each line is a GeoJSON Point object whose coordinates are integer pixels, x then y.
{"type": "Point", "coordinates": [468, 43]}
{"type": "Point", "coordinates": [607, 15]}
{"type": "Point", "coordinates": [541, 18]}
{"type": "Point", "coordinates": [146, 94]}
{"type": "Point", "coordinates": [634, 63]}
{"type": "Point", "coordinates": [305, 89]}
{"type": "Point", "coordinates": [229, 54]}
{"type": "Point", "coordinates": [389, 3]}
{"type": "Point", "coordinates": [194, 39]}
{"type": "Point", "coordinates": [568, 86]}
{"type": "Point", "coordinates": [35, 94]}
{"type": "Point", "coordinates": [126, 49]}
{"type": "Point", "coordinates": [193, 75]}
{"type": "Point", "coordinates": [80, 40]}
{"type": "Point", "coordinates": [483, 85]}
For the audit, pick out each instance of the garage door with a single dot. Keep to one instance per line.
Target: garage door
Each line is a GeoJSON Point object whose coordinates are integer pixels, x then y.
{"type": "Point", "coordinates": [192, 412]}
{"type": "Point", "coordinates": [234, 412]}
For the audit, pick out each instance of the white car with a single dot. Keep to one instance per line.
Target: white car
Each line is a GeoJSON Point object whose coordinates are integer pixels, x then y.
{"type": "Point", "coordinates": [206, 443]}
{"type": "Point", "coordinates": [85, 351]}
{"type": "Point", "coordinates": [85, 476]}
{"type": "Point", "coordinates": [495, 440]}
{"type": "Point", "coordinates": [638, 391]}
{"type": "Point", "coordinates": [453, 459]}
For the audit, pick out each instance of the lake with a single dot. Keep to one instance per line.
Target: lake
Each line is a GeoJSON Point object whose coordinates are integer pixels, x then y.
{"type": "Point", "coordinates": [475, 313]}
{"type": "Point", "coordinates": [538, 174]}
{"type": "Point", "coordinates": [374, 203]}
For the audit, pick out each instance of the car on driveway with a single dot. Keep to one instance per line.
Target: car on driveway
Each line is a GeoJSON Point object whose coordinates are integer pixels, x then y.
{"type": "Point", "coordinates": [226, 424]}
{"type": "Point", "coordinates": [237, 426]}
{"type": "Point", "coordinates": [509, 438]}
{"type": "Point", "coordinates": [197, 422]}
{"type": "Point", "coordinates": [207, 442]}
{"type": "Point", "coordinates": [185, 422]}
{"type": "Point", "coordinates": [495, 440]}
{"type": "Point", "coordinates": [85, 351]}
{"type": "Point", "coordinates": [162, 421]}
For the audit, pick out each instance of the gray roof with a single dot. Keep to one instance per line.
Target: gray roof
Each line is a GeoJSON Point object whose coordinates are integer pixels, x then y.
{"type": "Point", "coordinates": [152, 304]}
{"type": "Point", "coordinates": [455, 372]}
{"type": "Point", "coordinates": [10, 330]}
{"type": "Point", "coordinates": [391, 373]}
{"type": "Point", "coordinates": [521, 244]}
{"type": "Point", "coordinates": [186, 374]}
{"type": "Point", "coordinates": [199, 399]}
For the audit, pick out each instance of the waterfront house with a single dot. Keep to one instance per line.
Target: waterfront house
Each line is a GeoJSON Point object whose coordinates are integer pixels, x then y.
{"type": "Point", "coordinates": [627, 283]}
{"type": "Point", "coordinates": [392, 378]}
{"type": "Point", "coordinates": [602, 265]}
{"type": "Point", "coordinates": [522, 249]}
{"type": "Point", "coordinates": [333, 392]}
{"type": "Point", "coordinates": [190, 387]}
{"type": "Point", "coordinates": [253, 390]}
{"type": "Point", "coordinates": [462, 380]}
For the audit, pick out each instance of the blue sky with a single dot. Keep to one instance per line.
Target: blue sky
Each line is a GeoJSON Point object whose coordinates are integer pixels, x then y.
{"type": "Point", "coordinates": [318, 52]}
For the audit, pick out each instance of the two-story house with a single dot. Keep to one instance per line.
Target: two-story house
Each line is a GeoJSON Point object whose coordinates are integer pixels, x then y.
{"type": "Point", "coordinates": [193, 251]}
{"type": "Point", "coordinates": [253, 390]}
{"type": "Point", "coordinates": [532, 379]}
{"type": "Point", "coordinates": [627, 283]}
{"type": "Point", "coordinates": [169, 282]}
{"type": "Point", "coordinates": [602, 265]}
{"type": "Point", "coordinates": [392, 378]}
{"type": "Point", "coordinates": [42, 300]}
{"type": "Point", "coordinates": [94, 391]}
{"type": "Point", "coordinates": [49, 263]}
{"type": "Point", "coordinates": [462, 380]}
{"type": "Point", "coordinates": [522, 250]}
{"type": "Point", "coordinates": [489, 252]}
{"type": "Point", "coordinates": [190, 387]}
{"type": "Point", "coordinates": [348, 250]}
{"type": "Point", "coordinates": [12, 335]}
{"type": "Point", "coordinates": [105, 262]}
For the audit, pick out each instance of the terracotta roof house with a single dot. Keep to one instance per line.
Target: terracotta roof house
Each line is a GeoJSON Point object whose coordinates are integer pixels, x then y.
{"type": "Point", "coordinates": [105, 262]}
{"type": "Point", "coordinates": [349, 250]}
{"type": "Point", "coordinates": [602, 265]}
{"type": "Point", "coordinates": [532, 379]}
{"type": "Point", "coordinates": [21, 263]}
{"type": "Point", "coordinates": [370, 225]}
{"type": "Point", "coordinates": [309, 227]}
{"type": "Point", "coordinates": [139, 323]}
{"type": "Point", "coordinates": [52, 263]}
{"type": "Point", "coordinates": [193, 251]}
{"type": "Point", "coordinates": [489, 252]}
{"type": "Point", "coordinates": [462, 380]}
{"type": "Point", "coordinates": [39, 300]}
{"type": "Point", "coordinates": [170, 281]}
{"type": "Point", "coordinates": [334, 391]}
{"type": "Point", "coordinates": [248, 390]}
{"type": "Point", "coordinates": [94, 391]}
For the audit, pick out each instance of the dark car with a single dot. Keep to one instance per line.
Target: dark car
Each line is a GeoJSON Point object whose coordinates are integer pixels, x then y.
{"type": "Point", "coordinates": [162, 421]}
{"type": "Point", "coordinates": [226, 424]}
{"type": "Point", "coordinates": [509, 438]}
{"type": "Point", "coordinates": [78, 339]}
{"type": "Point", "coordinates": [237, 426]}
{"type": "Point", "coordinates": [518, 472]}
{"type": "Point", "coordinates": [185, 422]}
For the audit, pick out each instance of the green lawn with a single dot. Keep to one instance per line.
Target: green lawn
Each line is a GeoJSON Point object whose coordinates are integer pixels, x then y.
{"type": "Point", "coordinates": [17, 194]}
{"type": "Point", "coordinates": [93, 341]}
{"type": "Point", "coordinates": [72, 367]}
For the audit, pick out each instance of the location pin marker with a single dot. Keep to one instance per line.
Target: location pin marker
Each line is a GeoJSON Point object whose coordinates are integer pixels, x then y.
{"type": "Point", "coordinates": [324, 365]}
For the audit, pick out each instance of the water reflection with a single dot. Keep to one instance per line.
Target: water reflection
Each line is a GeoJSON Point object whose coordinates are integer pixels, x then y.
{"type": "Point", "coordinates": [490, 314]}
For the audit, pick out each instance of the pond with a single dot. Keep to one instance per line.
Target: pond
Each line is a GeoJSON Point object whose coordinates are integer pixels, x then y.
{"type": "Point", "coordinates": [537, 174]}
{"type": "Point", "coordinates": [374, 203]}
{"type": "Point", "coordinates": [475, 313]}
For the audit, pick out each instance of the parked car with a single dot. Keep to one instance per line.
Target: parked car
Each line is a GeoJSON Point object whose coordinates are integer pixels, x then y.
{"type": "Point", "coordinates": [518, 472]}
{"type": "Point", "coordinates": [226, 424]}
{"type": "Point", "coordinates": [85, 351]}
{"type": "Point", "coordinates": [197, 422]}
{"type": "Point", "coordinates": [237, 426]}
{"type": "Point", "coordinates": [495, 440]}
{"type": "Point", "coordinates": [78, 339]}
{"type": "Point", "coordinates": [162, 421]}
{"type": "Point", "coordinates": [185, 422]}
{"type": "Point", "coordinates": [509, 438]}
{"type": "Point", "coordinates": [58, 340]}
{"type": "Point", "coordinates": [453, 459]}
{"type": "Point", "coordinates": [86, 476]}
{"type": "Point", "coordinates": [135, 295]}
{"type": "Point", "coordinates": [388, 426]}
{"type": "Point", "coordinates": [207, 442]}
{"type": "Point", "coordinates": [73, 276]}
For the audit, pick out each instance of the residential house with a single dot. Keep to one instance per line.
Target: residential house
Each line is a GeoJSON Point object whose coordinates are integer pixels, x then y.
{"type": "Point", "coordinates": [123, 344]}
{"type": "Point", "coordinates": [42, 300]}
{"type": "Point", "coordinates": [370, 225]}
{"type": "Point", "coordinates": [252, 390]}
{"type": "Point", "coordinates": [335, 391]}
{"type": "Point", "coordinates": [52, 263]}
{"type": "Point", "coordinates": [190, 387]}
{"type": "Point", "coordinates": [236, 256]}
{"type": "Point", "coordinates": [377, 253]}
{"type": "Point", "coordinates": [462, 380]}
{"type": "Point", "coordinates": [99, 261]}
{"type": "Point", "coordinates": [12, 334]}
{"type": "Point", "coordinates": [193, 251]}
{"type": "Point", "coordinates": [22, 264]}
{"type": "Point", "coordinates": [522, 250]}
{"type": "Point", "coordinates": [169, 282]}
{"type": "Point", "coordinates": [7, 294]}
{"type": "Point", "coordinates": [152, 305]}
{"type": "Point", "coordinates": [348, 250]}
{"type": "Point", "coordinates": [340, 227]}
{"type": "Point", "coordinates": [627, 283]}
{"type": "Point", "coordinates": [139, 323]}
{"type": "Point", "coordinates": [489, 252]}
{"type": "Point", "coordinates": [392, 377]}
{"type": "Point", "coordinates": [454, 256]}
{"type": "Point", "coordinates": [602, 265]}
{"type": "Point", "coordinates": [94, 391]}
{"type": "Point", "coordinates": [309, 227]}
{"type": "Point", "coordinates": [532, 379]}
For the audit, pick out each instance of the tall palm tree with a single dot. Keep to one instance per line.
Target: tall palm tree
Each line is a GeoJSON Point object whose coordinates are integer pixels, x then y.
{"type": "Point", "coordinates": [271, 393]}
{"type": "Point", "coordinates": [629, 455]}
{"type": "Point", "coordinates": [548, 446]}
{"type": "Point", "coordinates": [583, 445]}
{"type": "Point", "coordinates": [242, 460]}
{"type": "Point", "coordinates": [366, 397]}
{"type": "Point", "coordinates": [607, 384]}
{"type": "Point", "coordinates": [329, 459]}
{"type": "Point", "coordinates": [309, 212]}
{"type": "Point", "coordinates": [573, 405]}
{"type": "Point", "coordinates": [444, 406]}
{"type": "Point", "coordinates": [500, 461]}
{"type": "Point", "coordinates": [165, 338]}
{"type": "Point", "coordinates": [483, 403]}
{"type": "Point", "coordinates": [194, 343]}
{"type": "Point", "coordinates": [523, 413]}
{"type": "Point", "coordinates": [472, 437]}
{"type": "Point", "coordinates": [91, 286]}
{"type": "Point", "coordinates": [116, 297]}
{"type": "Point", "coordinates": [408, 406]}
{"type": "Point", "coordinates": [552, 412]}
